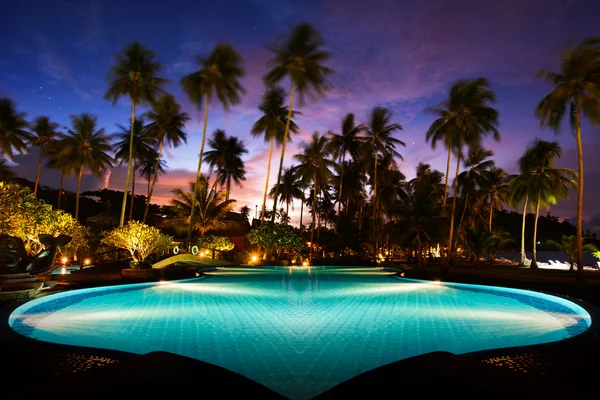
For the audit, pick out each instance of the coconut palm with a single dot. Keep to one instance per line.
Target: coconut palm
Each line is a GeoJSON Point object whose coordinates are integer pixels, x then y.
{"type": "Point", "coordinates": [211, 204]}
{"type": "Point", "coordinates": [473, 178]}
{"type": "Point", "coordinates": [61, 161]}
{"type": "Point", "coordinates": [148, 169]}
{"type": "Point", "coordinates": [314, 167]}
{"type": "Point", "coordinates": [298, 56]}
{"type": "Point", "coordinates": [480, 241]}
{"type": "Point", "coordinates": [13, 129]}
{"type": "Point", "coordinates": [245, 213]}
{"type": "Point", "coordinates": [166, 125]}
{"type": "Point", "coordinates": [218, 79]}
{"type": "Point", "coordinates": [141, 148]}
{"type": "Point", "coordinates": [289, 189]}
{"type": "Point", "coordinates": [134, 75]}
{"type": "Point", "coordinates": [380, 141]}
{"type": "Point", "coordinates": [568, 246]}
{"type": "Point", "coordinates": [226, 157]}
{"type": "Point", "coordinates": [85, 147]}
{"type": "Point", "coordinates": [44, 133]}
{"type": "Point", "coordinates": [347, 141]}
{"type": "Point", "coordinates": [541, 182]}
{"type": "Point", "coordinates": [272, 126]}
{"type": "Point", "coordinates": [497, 185]}
{"type": "Point", "coordinates": [576, 88]}
{"type": "Point", "coordinates": [464, 119]}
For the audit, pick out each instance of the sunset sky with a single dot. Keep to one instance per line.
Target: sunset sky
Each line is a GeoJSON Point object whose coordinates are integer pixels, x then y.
{"type": "Point", "coordinates": [55, 57]}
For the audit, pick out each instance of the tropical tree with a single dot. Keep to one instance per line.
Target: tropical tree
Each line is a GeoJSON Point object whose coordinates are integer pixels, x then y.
{"type": "Point", "coordinates": [217, 79]}
{"type": "Point", "coordinates": [380, 141]}
{"type": "Point", "coordinates": [226, 156]}
{"type": "Point", "coordinates": [245, 213]}
{"type": "Point", "coordinates": [347, 141]}
{"type": "Point", "coordinates": [166, 125]}
{"type": "Point", "coordinates": [568, 246]}
{"type": "Point", "coordinates": [134, 75]}
{"type": "Point", "coordinates": [497, 184]}
{"type": "Point", "coordinates": [474, 177]}
{"type": "Point", "coordinates": [480, 241]}
{"type": "Point", "coordinates": [289, 189]}
{"type": "Point", "coordinates": [272, 126]}
{"type": "Point", "coordinates": [314, 167]}
{"type": "Point", "coordinates": [576, 87]}
{"type": "Point", "coordinates": [464, 119]}
{"type": "Point", "coordinates": [13, 129]}
{"type": "Point", "coordinates": [137, 147]}
{"type": "Point", "coordinates": [44, 133]}
{"type": "Point", "coordinates": [59, 160]}
{"type": "Point", "coordinates": [540, 182]}
{"type": "Point", "coordinates": [85, 147]}
{"type": "Point", "coordinates": [6, 173]}
{"type": "Point", "coordinates": [298, 56]}
{"type": "Point", "coordinates": [147, 167]}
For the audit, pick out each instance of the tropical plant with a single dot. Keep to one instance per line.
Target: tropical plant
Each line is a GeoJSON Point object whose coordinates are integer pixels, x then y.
{"type": "Point", "coordinates": [314, 167]}
{"type": "Point", "coordinates": [217, 79]}
{"type": "Point", "coordinates": [568, 246]}
{"type": "Point", "coordinates": [289, 189]}
{"type": "Point", "coordinates": [58, 160]}
{"type": "Point", "coordinates": [272, 126]}
{"type": "Point", "coordinates": [480, 241]}
{"type": "Point", "coordinates": [474, 177]}
{"type": "Point", "coordinates": [576, 88]}
{"type": "Point", "coordinates": [14, 135]}
{"type": "Point", "coordinates": [300, 57]}
{"type": "Point", "coordinates": [134, 75]}
{"type": "Point", "coordinates": [166, 125]}
{"type": "Point", "coordinates": [139, 239]}
{"type": "Point", "coordinates": [276, 238]}
{"type": "Point", "coordinates": [497, 184]}
{"type": "Point", "coordinates": [245, 213]}
{"type": "Point", "coordinates": [464, 119]}
{"type": "Point", "coordinates": [44, 134]}
{"type": "Point", "coordinates": [85, 147]}
{"type": "Point", "coordinates": [6, 174]}
{"type": "Point", "coordinates": [226, 156]}
{"type": "Point", "coordinates": [147, 167]}
{"type": "Point", "coordinates": [215, 243]}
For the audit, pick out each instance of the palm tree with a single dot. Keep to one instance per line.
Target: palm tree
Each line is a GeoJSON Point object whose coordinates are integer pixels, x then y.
{"type": "Point", "coordinates": [134, 75]}
{"type": "Point", "coordinates": [577, 86]}
{"type": "Point", "coordinates": [245, 213]}
{"type": "Point", "coordinates": [211, 203]}
{"type": "Point", "coordinates": [58, 160]}
{"type": "Point", "coordinates": [45, 132]}
{"type": "Point", "coordinates": [480, 241]}
{"type": "Point", "coordinates": [85, 146]}
{"type": "Point", "coordinates": [13, 129]}
{"type": "Point", "coordinates": [497, 185]}
{"type": "Point", "coordinates": [473, 178]}
{"type": "Point", "coordinates": [299, 56]}
{"type": "Point", "coordinates": [464, 119]}
{"type": "Point", "coordinates": [568, 246]}
{"type": "Point", "coordinates": [314, 167]}
{"type": "Point", "coordinates": [347, 141]}
{"type": "Point", "coordinates": [272, 125]}
{"type": "Point", "coordinates": [147, 166]}
{"type": "Point", "coordinates": [226, 156]}
{"type": "Point", "coordinates": [217, 79]}
{"type": "Point", "coordinates": [141, 148]}
{"type": "Point", "coordinates": [541, 182]}
{"type": "Point", "coordinates": [289, 189]}
{"type": "Point", "coordinates": [379, 140]}
{"type": "Point", "coordinates": [6, 173]}
{"type": "Point", "coordinates": [167, 122]}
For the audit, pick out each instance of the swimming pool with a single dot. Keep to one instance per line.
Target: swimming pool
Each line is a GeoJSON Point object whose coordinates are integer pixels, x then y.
{"type": "Point", "coordinates": [300, 331]}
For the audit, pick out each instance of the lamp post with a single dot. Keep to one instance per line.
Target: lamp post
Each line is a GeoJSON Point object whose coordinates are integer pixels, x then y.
{"type": "Point", "coordinates": [256, 211]}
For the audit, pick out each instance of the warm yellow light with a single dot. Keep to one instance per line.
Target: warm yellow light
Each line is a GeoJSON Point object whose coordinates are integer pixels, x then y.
{"type": "Point", "coordinates": [308, 243]}
{"type": "Point", "coordinates": [63, 271]}
{"type": "Point", "coordinates": [64, 260]}
{"type": "Point", "coordinates": [254, 258]}
{"type": "Point", "coordinates": [87, 261]}
{"type": "Point", "coordinates": [305, 263]}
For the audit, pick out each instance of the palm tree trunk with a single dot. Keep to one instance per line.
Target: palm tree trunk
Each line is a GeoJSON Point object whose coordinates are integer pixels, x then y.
{"type": "Point", "coordinates": [129, 162]}
{"type": "Point", "coordinates": [455, 187]}
{"type": "Point", "coordinates": [375, 241]}
{"type": "Point", "coordinates": [462, 217]}
{"type": "Point", "coordinates": [198, 175]}
{"type": "Point", "coordinates": [160, 148]}
{"type": "Point", "coordinates": [523, 256]}
{"type": "Point", "coordinates": [362, 200]}
{"type": "Point", "coordinates": [301, 208]}
{"type": "Point", "coordinates": [79, 175]}
{"type": "Point", "coordinates": [262, 216]}
{"type": "Point", "coordinates": [314, 214]}
{"type": "Point", "coordinates": [579, 194]}
{"type": "Point", "coordinates": [341, 181]}
{"type": "Point", "coordinates": [287, 207]}
{"type": "Point", "coordinates": [537, 214]}
{"type": "Point", "coordinates": [491, 210]}
{"type": "Point", "coordinates": [60, 187]}
{"type": "Point", "coordinates": [228, 187]}
{"type": "Point", "coordinates": [285, 137]}
{"type": "Point", "coordinates": [39, 170]}
{"type": "Point", "coordinates": [132, 191]}
{"type": "Point", "coordinates": [446, 183]}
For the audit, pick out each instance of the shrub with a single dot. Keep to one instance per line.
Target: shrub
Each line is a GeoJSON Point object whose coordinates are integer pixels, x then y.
{"type": "Point", "coordinates": [139, 239]}
{"type": "Point", "coordinates": [276, 237]}
{"type": "Point", "coordinates": [215, 243]}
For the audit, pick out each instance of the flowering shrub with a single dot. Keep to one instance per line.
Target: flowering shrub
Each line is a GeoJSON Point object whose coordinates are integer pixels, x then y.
{"type": "Point", "coordinates": [139, 239]}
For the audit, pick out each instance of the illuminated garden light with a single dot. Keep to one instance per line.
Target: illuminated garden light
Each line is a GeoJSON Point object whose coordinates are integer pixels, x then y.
{"type": "Point", "coordinates": [254, 258]}
{"type": "Point", "coordinates": [64, 260]}
{"type": "Point", "coordinates": [87, 261]}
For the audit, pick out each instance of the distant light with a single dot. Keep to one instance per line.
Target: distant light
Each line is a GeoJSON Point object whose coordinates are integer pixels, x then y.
{"type": "Point", "coordinates": [305, 264]}
{"type": "Point", "coordinates": [539, 242]}
{"type": "Point", "coordinates": [64, 260]}
{"type": "Point", "coordinates": [63, 271]}
{"type": "Point", "coordinates": [254, 258]}
{"type": "Point", "coordinates": [87, 261]}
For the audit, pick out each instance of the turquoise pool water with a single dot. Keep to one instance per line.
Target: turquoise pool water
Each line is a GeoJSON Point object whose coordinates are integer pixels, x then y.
{"type": "Point", "coordinates": [300, 331]}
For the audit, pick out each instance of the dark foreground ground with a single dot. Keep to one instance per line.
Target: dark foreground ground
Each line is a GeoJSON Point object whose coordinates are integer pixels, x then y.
{"type": "Point", "coordinates": [555, 370]}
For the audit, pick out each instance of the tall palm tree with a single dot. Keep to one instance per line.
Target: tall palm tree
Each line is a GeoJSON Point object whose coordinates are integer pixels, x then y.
{"type": "Point", "coordinates": [226, 157]}
{"type": "Point", "coordinates": [58, 160]}
{"type": "Point", "coordinates": [245, 213]}
{"type": "Point", "coordinates": [314, 167]}
{"type": "Point", "coordinates": [347, 141]}
{"type": "Point", "coordinates": [216, 157]}
{"type": "Point", "coordinates": [148, 169]}
{"type": "Point", "coordinates": [541, 182]}
{"type": "Point", "coordinates": [44, 133]}
{"type": "Point", "coordinates": [290, 188]}
{"type": "Point", "coordinates": [272, 126]}
{"type": "Point", "coordinates": [379, 140]}
{"type": "Point", "coordinates": [464, 119]}
{"type": "Point", "coordinates": [473, 178]}
{"type": "Point", "coordinates": [13, 129]}
{"type": "Point", "coordinates": [300, 57]}
{"type": "Point", "coordinates": [497, 184]}
{"type": "Point", "coordinates": [134, 75]}
{"type": "Point", "coordinates": [138, 146]}
{"type": "Point", "coordinates": [217, 79]}
{"type": "Point", "coordinates": [577, 87]}
{"type": "Point", "coordinates": [167, 122]}
{"type": "Point", "coordinates": [568, 246]}
{"type": "Point", "coordinates": [85, 146]}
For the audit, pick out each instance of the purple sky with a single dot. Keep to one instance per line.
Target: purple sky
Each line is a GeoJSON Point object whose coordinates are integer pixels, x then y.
{"type": "Point", "coordinates": [404, 55]}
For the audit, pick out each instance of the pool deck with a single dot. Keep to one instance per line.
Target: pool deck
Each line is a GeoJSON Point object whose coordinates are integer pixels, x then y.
{"type": "Point", "coordinates": [569, 365]}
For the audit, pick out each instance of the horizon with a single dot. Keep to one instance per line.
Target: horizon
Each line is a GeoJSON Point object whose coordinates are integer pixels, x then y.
{"type": "Point", "coordinates": [55, 71]}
